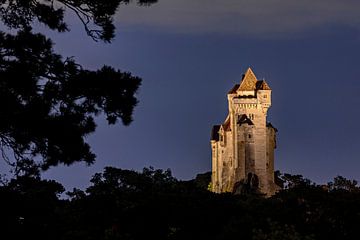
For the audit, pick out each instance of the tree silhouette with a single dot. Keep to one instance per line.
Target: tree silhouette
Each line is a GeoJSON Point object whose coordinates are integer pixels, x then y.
{"type": "Point", "coordinates": [152, 204]}
{"type": "Point", "coordinates": [48, 102]}
{"type": "Point", "coordinates": [96, 15]}
{"type": "Point", "coordinates": [342, 184]}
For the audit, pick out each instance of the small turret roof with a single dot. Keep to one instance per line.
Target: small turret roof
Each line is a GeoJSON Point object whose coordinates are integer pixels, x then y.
{"type": "Point", "coordinates": [234, 89]}
{"type": "Point", "coordinates": [262, 85]}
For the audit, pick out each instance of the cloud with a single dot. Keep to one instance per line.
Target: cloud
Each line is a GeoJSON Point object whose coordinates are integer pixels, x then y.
{"type": "Point", "coordinates": [247, 17]}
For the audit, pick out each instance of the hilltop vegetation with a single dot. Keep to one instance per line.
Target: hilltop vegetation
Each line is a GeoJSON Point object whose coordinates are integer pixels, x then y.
{"type": "Point", "coordinates": [124, 204]}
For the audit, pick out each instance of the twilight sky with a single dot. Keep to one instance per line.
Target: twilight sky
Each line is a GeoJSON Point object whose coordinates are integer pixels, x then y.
{"type": "Point", "coordinates": [191, 52]}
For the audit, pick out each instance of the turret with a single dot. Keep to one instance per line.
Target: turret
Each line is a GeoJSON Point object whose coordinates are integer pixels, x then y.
{"type": "Point", "coordinates": [264, 95]}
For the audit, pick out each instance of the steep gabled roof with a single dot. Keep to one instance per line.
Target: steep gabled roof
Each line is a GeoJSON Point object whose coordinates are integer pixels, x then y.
{"type": "Point", "coordinates": [234, 89]}
{"type": "Point", "coordinates": [262, 85]}
{"type": "Point", "coordinates": [248, 82]}
{"type": "Point", "coordinates": [244, 119]}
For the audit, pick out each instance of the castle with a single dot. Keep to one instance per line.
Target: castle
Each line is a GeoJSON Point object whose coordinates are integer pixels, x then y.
{"type": "Point", "coordinates": [243, 146]}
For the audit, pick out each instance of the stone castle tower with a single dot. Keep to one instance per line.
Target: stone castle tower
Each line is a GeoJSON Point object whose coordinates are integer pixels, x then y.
{"type": "Point", "coordinates": [243, 146]}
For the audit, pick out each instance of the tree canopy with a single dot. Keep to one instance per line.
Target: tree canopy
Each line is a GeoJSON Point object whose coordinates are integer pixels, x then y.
{"type": "Point", "coordinates": [48, 102]}
{"type": "Point", "coordinates": [152, 204]}
{"type": "Point", "coordinates": [96, 15]}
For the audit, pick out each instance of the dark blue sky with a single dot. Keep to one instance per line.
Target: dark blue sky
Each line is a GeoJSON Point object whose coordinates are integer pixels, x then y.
{"type": "Point", "coordinates": [190, 53]}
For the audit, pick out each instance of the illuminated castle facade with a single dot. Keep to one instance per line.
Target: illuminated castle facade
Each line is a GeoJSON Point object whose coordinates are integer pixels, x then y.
{"type": "Point", "coordinates": [243, 146]}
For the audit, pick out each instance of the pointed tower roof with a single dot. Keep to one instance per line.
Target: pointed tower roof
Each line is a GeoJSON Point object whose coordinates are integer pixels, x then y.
{"type": "Point", "coordinates": [248, 82]}
{"type": "Point", "coordinates": [262, 85]}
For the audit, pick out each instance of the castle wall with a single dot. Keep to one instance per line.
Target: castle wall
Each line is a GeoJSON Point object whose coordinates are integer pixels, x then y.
{"type": "Point", "coordinates": [240, 157]}
{"type": "Point", "coordinates": [271, 145]}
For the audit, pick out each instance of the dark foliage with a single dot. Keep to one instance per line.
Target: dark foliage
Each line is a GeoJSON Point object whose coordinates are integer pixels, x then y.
{"type": "Point", "coordinates": [96, 15]}
{"type": "Point", "coordinates": [47, 102]}
{"type": "Point", "coordinates": [48, 105]}
{"type": "Point", "coordinates": [124, 204]}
